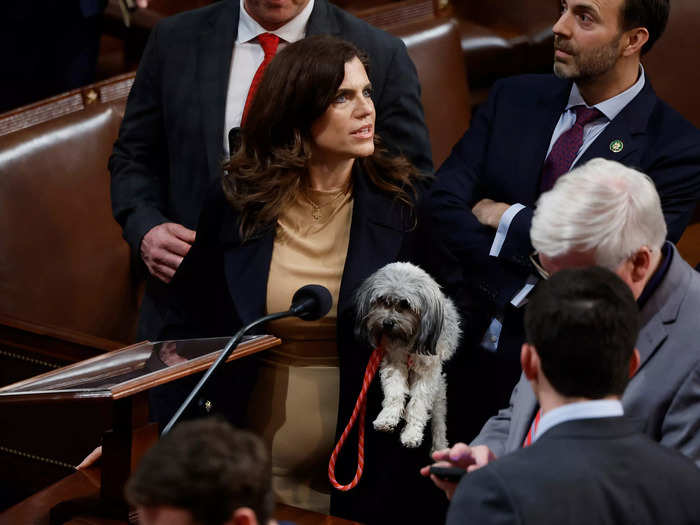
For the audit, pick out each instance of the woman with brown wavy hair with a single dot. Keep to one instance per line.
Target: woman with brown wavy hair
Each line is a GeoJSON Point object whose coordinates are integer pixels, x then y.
{"type": "Point", "coordinates": [309, 196]}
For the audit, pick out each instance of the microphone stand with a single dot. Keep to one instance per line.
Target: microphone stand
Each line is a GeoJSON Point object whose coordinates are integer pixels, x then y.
{"type": "Point", "coordinates": [225, 353]}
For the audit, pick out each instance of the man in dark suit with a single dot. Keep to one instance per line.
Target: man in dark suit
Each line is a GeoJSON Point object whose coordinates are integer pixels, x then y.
{"type": "Point", "coordinates": [585, 462]}
{"type": "Point", "coordinates": [191, 88]}
{"type": "Point", "coordinates": [598, 103]}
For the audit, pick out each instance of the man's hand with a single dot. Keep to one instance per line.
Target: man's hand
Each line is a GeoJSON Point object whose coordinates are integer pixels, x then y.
{"type": "Point", "coordinates": [163, 248]}
{"type": "Point", "coordinates": [489, 212]}
{"type": "Point", "coordinates": [462, 456]}
{"type": "Point", "coordinates": [142, 3]}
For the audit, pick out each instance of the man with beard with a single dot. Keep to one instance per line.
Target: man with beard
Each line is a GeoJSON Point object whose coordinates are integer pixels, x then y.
{"type": "Point", "coordinates": [534, 128]}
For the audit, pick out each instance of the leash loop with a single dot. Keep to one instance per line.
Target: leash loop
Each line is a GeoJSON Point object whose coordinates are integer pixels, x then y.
{"type": "Point", "coordinates": [359, 410]}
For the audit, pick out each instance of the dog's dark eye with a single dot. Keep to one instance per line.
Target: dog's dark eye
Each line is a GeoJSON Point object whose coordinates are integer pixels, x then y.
{"type": "Point", "coordinates": [403, 305]}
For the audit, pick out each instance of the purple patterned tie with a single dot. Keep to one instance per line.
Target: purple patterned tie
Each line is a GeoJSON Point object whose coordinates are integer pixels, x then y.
{"type": "Point", "coordinates": [566, 147]}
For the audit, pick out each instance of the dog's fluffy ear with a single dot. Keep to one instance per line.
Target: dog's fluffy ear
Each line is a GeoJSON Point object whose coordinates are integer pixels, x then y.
{"type": "Point", "coordinates": [363, 302]}
{"type": "Point", "coordinates": [431, 321]}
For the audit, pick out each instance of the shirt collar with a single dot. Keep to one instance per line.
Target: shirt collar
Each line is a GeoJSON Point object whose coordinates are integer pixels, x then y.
{"type": "Point", "coordinates": [611, 107]}
{"type": "Point", "coordinates": [581, 410]}
{"type": "Point", "coordinates": [658, 276]}
{"type": "Point", "coordinates": [294, 30]}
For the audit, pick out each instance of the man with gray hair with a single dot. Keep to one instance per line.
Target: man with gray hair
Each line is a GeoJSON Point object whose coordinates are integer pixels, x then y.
{"type": "Point", "coordinates": [606, 214]}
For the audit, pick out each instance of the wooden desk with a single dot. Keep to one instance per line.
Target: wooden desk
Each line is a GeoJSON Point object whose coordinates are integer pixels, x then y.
{"type": "Point", "coordinates": [35, 509]}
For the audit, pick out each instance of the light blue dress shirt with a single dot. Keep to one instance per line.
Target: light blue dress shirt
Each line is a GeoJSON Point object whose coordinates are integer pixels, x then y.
{"type": "Point", "coordinates": [581, 410]}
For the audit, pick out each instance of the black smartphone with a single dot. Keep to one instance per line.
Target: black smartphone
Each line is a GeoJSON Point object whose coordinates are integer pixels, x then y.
{"type": "Point", "coordinates": [453, 474]}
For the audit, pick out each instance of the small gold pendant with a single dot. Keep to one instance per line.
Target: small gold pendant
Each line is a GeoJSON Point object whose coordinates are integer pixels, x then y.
{"type": "Point", "coordinates": [316, 212]}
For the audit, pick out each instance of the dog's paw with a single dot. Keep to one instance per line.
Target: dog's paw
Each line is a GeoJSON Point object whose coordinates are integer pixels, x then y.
{"type": "Point", "coordinates": [412, 436]}
{"type": "Point", "coordinates": [387, 420]}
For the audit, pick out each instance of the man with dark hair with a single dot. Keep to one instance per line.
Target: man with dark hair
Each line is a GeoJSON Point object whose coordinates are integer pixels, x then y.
{"type": "Point", "coordinates": [204, 472]}
{"type": "Point", "coordinates": [534, 128]}
{"type": "Point", "coordinates": [652, 14]}
{"type": "Point", "coordinates": [586, 462]}
{"type": "Point", "coordinates": [600, 326]}
{"type": "Point", "coordinates": [195, 80]}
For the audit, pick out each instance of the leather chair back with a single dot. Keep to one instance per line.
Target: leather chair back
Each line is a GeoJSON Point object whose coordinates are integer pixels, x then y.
{"type": "Point", "coordinates": [672, 62]}
{"type": "Point", "coordinates": [435, 50]}
{"type": "Point", "coordinates": [63, 263]}
{"type": "Point", "coordinates": [672, 69]}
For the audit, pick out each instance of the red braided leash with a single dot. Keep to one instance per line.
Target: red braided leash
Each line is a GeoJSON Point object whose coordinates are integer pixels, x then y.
{"type": "Point", "coordinates": [361, 409]}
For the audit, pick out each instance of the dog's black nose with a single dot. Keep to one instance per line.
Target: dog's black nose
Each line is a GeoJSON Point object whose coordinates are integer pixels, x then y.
{"type": "Point", "coordinates": [388, 324]}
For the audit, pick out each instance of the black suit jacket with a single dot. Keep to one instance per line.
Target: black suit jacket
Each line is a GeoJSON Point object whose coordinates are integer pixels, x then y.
{"type": "Point", "coordinates": [221, 285]}
{"type": "Point", "coordinates": [581, 472]}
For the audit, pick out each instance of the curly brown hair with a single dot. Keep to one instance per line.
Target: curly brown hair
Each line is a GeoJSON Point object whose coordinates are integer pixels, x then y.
{"type": "Point", "coordinates": [265, 172]}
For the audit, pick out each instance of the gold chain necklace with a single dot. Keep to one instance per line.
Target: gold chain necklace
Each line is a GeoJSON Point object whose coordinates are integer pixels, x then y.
{"type": "Point", "coordinates": [316, 207]}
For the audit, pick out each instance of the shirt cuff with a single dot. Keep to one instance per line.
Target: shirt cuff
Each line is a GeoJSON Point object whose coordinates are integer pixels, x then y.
{"type": "Point", "coordinates": [493, 333]}
{"type": "Point", "coordinates": [502, 229]}
{"type": "Point", "coordinates": [520, 298]}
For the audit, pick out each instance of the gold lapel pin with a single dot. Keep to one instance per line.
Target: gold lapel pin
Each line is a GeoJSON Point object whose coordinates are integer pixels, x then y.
{"type": "Point", "coordinates": [616, 146]}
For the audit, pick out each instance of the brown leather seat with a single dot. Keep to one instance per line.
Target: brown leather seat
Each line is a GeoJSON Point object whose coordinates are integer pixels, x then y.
{"type": "Point", "coordinates": [672, 63]}
{"type": "Point", "coordinates": [435, 50]}
{"type": "Point", "coordinates": [65, 269]}
{"type": "Point", "coordinates": [672, 69]}
{"type": "Point", "coordinates": [502, 38]}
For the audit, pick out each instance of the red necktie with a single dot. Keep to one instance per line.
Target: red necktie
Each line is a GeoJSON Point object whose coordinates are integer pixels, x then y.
{"type": "Point", "coordinates": [269, 43]}
{"type": "Point", "coordinates": [533, 428]}
{"type": "Point", "coordinates": [566, 147]}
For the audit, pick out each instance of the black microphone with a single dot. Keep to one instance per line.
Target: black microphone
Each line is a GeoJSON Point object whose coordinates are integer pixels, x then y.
{"type": "Point", "coordinates": [309, 303]}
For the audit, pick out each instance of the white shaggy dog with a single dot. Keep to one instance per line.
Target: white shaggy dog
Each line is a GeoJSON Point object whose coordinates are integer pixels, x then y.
{"type": "Point", "coordinates": [403, 308]}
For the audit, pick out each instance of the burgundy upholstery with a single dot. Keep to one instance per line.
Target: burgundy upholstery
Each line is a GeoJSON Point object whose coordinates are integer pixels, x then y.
{"type": "Point", "coordinates": [674, 73]}
{"type": "Point", "coordinates": [672, 63]}
{"type": "Point", "coordinates": [434, 48]}
{"type": "Point", "coordinates": [503, 38]}
{"type": "Point", "coordinates": [63, 263]}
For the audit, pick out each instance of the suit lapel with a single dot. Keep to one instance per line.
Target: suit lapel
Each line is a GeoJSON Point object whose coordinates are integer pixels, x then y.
{"type": "Point", "coordinates": [246, 266]}
{"type": "Point", "coordinates": [523, 413]}
{"type": "Point", "coordinates": [320, 22]}
{"type": "Point", "coordinates": [376, 234]}
{"type": "Point", "coordinates": [663, 307]}
{"type": "Point", "coordinates": [533, 149]}
{"type": "Point", "coordinates": [629, 127]}
{"type": "Point", "coordinates": [215, 49]}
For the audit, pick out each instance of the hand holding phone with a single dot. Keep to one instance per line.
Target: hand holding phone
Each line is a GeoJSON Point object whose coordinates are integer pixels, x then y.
{"type": "Point", "coordinates": [451, 474]}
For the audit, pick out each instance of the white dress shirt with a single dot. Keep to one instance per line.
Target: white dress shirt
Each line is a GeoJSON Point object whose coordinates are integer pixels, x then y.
{"type": "Point", "coordinates": [247, 57]}
{"type": "Point", "coordinates": [582, 410]}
